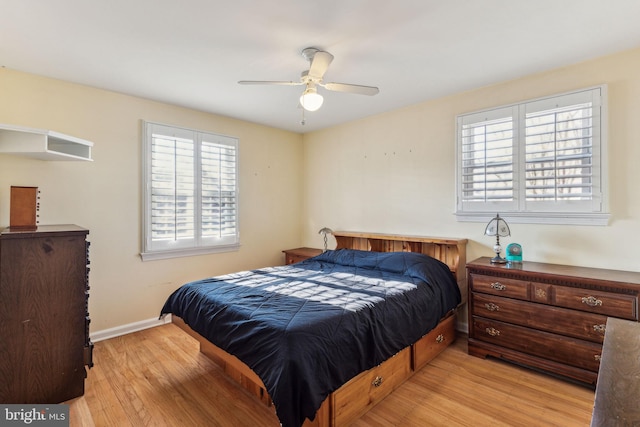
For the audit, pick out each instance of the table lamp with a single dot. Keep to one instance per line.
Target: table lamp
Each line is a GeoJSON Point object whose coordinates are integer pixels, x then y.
{"type": "Point", "coordinates": [497, 227]}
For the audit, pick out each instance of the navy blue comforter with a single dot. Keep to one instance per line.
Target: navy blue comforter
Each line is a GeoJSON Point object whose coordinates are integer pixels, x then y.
{"type": "Point", "coordinates": [308, 328]}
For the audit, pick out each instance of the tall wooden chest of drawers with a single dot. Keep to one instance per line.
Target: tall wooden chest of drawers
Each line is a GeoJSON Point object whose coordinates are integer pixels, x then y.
{"type": "Point", "coordinates": [44, 322]}
{"type": "Point", "coordinates": [547, 316]}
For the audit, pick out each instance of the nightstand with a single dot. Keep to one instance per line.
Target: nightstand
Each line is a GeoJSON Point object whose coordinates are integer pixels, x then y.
{"type": "Point", "coordinates": [291, 256]}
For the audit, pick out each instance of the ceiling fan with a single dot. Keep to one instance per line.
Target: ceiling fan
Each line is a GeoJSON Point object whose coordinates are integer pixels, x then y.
{"type": "Point", "coordinates": [319, 61]}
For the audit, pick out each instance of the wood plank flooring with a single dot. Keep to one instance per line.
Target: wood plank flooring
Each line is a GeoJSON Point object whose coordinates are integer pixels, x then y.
{"type": "Point", "coordinates": [157, 377]}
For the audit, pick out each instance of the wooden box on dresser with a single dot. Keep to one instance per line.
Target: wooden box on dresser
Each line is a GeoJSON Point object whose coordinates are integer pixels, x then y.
{"type": "Point", "coordinates": [44, 321]}
{"type": "Point", "coordinates": [547, 316]}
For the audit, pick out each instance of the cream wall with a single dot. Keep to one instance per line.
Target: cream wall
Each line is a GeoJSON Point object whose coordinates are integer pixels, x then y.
{"type": "Point", "coordinates": [389, 173]}
{"type": "Point", "coordinates": [395, 172]}
{"type": "Point", "coordinates": [105, 195]}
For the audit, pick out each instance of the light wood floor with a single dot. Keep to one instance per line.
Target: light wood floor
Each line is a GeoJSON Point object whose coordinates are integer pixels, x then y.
{"type": "Point", "coordinates": [157, 377]}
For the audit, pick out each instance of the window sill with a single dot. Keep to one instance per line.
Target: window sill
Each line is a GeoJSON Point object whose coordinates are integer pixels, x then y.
{"type": "Point", "coordinates": [556, 218]}
{"type": "Point", "coordinates": [178, 253]}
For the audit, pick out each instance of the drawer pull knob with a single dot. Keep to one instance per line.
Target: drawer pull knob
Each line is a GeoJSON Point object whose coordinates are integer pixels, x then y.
{"type": "Point", "coordinates": [377, 382]}
{"type": "Point", "coordinates": [597, 357]}
{"type": "Point", "coordinates": [591, 301]}
{"type": "Point", "coordinates": [498, 286]}
{"type": "Point", "coordinates": [492, 307]}
{"type": "Point", "coordinates": [492, 331]}
{"type": "Point", "coordinates": [440, 339]}
{"type": "Point", "coordinates": [599, 328]}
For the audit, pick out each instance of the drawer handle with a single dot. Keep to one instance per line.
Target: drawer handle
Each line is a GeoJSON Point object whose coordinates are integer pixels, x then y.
{"type": "Point", "coordinates": [498, 286]}
{"type": "Point", "coordinates": [599, 328]}
{"type": "Point", "coordinates": [492, 307]}
{"type": "Point", "coordinates": [440, 339]}
{"type": "Point", "coordinates": [377, 382]}
{"type": "Point", "coordinates": [591, 301]}
{"type": "Point", "coordinates": [492, 331]}
{"type": "Point", "coordinates": [597, 357]}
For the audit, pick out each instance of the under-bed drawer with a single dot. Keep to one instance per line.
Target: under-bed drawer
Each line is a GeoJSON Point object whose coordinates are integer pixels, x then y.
{"type": "Point", "coordinates": [432, 344]}
{"type": "Point", "coordinates": [364, 391]}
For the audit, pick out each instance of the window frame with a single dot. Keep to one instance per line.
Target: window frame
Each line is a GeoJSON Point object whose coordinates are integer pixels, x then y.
{"type": "Point", "coordinates": [153, 249]}
{"type": "Point", "coordinates": [519, 209]}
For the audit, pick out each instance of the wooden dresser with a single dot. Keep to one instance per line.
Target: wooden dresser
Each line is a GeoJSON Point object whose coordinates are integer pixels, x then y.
{"type": "Point", "coordinates": [547, 316]}
{"type": "Point", "coordinates": [44, 322]}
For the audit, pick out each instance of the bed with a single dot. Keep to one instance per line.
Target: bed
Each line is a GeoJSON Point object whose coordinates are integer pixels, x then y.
{"type": "Point", "coordinates": [326, 339]}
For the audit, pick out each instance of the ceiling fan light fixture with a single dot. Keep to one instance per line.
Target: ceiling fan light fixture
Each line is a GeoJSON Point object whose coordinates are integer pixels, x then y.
{"type": "Point", "coordinates": [311, 100]}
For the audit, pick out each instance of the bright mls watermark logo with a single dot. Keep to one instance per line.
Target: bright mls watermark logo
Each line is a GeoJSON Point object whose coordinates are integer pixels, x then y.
{"type": "Point", "coordinates": [35, 415]}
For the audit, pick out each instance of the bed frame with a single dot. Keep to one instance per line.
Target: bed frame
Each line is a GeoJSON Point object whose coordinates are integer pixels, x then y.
{"type": "Point", "coordinates": [364, 391]}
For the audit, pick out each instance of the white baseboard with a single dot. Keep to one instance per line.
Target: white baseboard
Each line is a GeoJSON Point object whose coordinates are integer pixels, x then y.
{"type": "Point", "coordinates": [129, 328]}
{"type": "Point", "coordinates": [462, 327]}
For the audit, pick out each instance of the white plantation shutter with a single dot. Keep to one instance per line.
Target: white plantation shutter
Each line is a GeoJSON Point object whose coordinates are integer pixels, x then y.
{"type": "Point", "coordinates": [562, 154]}
{"type": "Point", "coordinates": [219, 204]}
{"type": "Point", "coordinates": [487, 160]}
{"type": "Point", "coordinates": [190, 192]}
{"type": "Point", "coordinates": [538, 161]}
{"type": "Point", "coordinates": [172, 186]}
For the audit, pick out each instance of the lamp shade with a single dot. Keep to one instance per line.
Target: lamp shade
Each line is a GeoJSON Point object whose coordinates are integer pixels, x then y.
{"type": "Point", "coordinates": [311, 100]}
{"type": "Point", "coordinates": [497, 227]}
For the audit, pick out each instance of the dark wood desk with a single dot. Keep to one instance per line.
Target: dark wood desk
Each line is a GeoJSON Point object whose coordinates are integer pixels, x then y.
{"type": "Point", "coordinates": [618, 389]}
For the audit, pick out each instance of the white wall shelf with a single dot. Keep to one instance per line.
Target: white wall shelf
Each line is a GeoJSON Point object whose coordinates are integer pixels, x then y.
{"type": "Point", "coordinates": [43, 144]}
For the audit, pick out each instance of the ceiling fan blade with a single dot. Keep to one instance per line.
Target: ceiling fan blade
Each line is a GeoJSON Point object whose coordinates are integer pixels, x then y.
{"type": "Point", "coordinates": [350, 88]}
{"type": "Point", "coordinates": [320, 64]}
{"type": "Point", "coordinates": [258, 82]}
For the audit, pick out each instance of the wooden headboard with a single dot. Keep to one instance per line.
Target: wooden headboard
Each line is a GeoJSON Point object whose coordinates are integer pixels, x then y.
{"type": "Point", "coordinates": [452, 252]}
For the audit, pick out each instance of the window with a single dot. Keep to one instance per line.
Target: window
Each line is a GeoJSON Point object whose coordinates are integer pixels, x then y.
{"type": "Point", "coordinates": [190, 192]}
{"type": "Point", "coordinates": [540, 161]}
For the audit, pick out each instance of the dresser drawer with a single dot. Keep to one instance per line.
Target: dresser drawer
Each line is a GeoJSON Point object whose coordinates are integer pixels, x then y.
{"type": "Point", "coordinates": [511, 288]}
{"type": "Point", "coordinates": [561, 321]}
{"type": "Point", "coordinates": [609, 304]}
{"type": "Point", "coordinates": [570, 351]}
{"type": "Point", "coordinates": [366, 390]}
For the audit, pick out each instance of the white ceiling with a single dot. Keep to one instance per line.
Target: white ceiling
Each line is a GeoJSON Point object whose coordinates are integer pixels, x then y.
{"type": "Point", "coordinates": [193, 52]}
